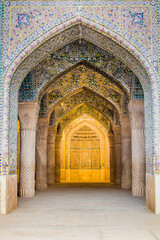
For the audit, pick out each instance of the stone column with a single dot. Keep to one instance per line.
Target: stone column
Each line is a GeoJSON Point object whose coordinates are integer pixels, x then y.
{"type": "Point", "coordinates": [111, 143]}
{"type": "Point", "coordinates": [117, 154]}
{"type": "Point", "coordinates": [58, 149]}
{"type": "Point", "coordinates": [28, 115]}
{"type": "Point", "coordinates": [136, 110]}
{"type": "Point", "coordinates": [51, 155]}
{"type": "Point", "coordinates": [41, 154]}
{"type": "Point", "coordinates": [126, 179]}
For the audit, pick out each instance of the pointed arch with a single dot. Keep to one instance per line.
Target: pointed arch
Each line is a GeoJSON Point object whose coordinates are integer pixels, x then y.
{"type": "Point", "coordinates": [63, 142]}
{"type": "Point", "coordinates": [52, 40]}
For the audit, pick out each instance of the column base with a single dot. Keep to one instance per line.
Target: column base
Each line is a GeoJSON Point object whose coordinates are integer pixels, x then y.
{"type": "Point", "coordinates": [126, 186]}
{"type": "Point", "coordinates": [153, 192]}
{"type": "Point", "coordinates": [112, 175]}
{"type": "Point", "coordinates": [51, 175]}
{"type": "Point", "coordinates": [139, 191]}
{"type": "Point", "coordinates": [8, 193]}
{"type": "Point", "coordinates": [41, 186]}
{"type": "Point", "coordinates": [118, 182]}
{"type": "Point", "coordinates": [26, 192]}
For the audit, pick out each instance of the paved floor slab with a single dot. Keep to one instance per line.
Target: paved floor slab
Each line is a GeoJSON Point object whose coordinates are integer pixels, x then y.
{"type": "Point", "coordinates": [81, 212]}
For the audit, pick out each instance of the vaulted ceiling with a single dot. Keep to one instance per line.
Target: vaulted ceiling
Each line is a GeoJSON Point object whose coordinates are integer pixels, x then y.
{"type": "Point", "coordinates": [79, 74]}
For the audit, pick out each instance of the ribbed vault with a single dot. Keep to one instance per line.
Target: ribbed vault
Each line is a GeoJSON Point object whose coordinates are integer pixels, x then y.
{"type": "Point", "coordinates": [88, 97]}
{"type": "Point", "coordinates": [83, 84]}
{"type": "Point", "coordinates": [73, 53]}
{"type": "Point", "coordinates": [82, 109]}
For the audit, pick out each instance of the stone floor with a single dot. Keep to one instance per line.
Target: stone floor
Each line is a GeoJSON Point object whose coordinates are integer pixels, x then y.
{"type": "Point", "coordinates": [78, 212]}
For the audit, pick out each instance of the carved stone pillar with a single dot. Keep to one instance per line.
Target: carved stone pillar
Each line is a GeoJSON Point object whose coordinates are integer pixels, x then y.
{"type": "Point", "coordinates": [28, 115]}
{"type": "Point", "coordinates": [41, 154]}
{"type": "Point", "coordinates": [136, 110]}
{"type": "Point", "coordinates": [51, 155]}
{"type": "Point", "coordinates": [58, 149]}
{"type": "Point", "coordinates": [126, 178]}
{"type": "Point", "coordinates": [111, 143]}
{"type": "Point", "coordinates": [117, 154]}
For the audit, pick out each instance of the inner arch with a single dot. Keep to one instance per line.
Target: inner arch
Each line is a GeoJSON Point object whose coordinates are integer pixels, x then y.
{"type": "Point", "coordinates": [12, 150]}
{"type": "Point", "coordinates": [83, 148]}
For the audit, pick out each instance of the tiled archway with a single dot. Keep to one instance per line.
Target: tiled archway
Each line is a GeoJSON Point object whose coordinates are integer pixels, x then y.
{"type": "Point", "coordinates": [100, 40]}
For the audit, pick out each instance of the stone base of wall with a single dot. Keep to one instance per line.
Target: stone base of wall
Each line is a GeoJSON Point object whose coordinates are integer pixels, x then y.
{"type": "Point", "coordinates": [153, 192]}
{"type": "Point", "coordinates": [8, 193]}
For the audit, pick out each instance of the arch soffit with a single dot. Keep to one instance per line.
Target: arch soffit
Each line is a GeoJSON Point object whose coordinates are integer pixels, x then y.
{"type": "Point", "coordinates": [72, 55]}
{"type": "Point", "coordinates": [82, 70]}
{"type": "Point", "coordinates": [95, 100]}
{"type": "Point", "coordinates": [129, 54]}
{"type": "Point", "coordinates": [93, 36]}
{"type": "Point", "coordinates": [79, 78]}
{"type": "Point", "coordinates": [62, 112]}
{"type": "Point", "coordinates": [90, 96]}
{"type": "Point", "coordinates": [91, 66]}
{"type": "Point", "coordinates": [84, 109]}
{"type": "Point", "coordinates": [88, 121]}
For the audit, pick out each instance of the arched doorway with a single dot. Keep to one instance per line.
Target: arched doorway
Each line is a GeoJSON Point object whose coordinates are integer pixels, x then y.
{"type": "Point", "coordinates": [83, 150]}
{"type": "Point", "coordinates": [129, 61]}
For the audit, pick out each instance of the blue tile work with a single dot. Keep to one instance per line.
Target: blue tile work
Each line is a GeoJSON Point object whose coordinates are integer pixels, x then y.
{"type": "Point", "coordinates": [156, 160]}
{"type": "Point", "coordinates": [125, 102]}
{"type": "Point", "coordinates": [1, 84]}
{"type": "Point", "coordinates": [136, 17]}
{"type": "Point", "coordinates": [43, 107]}
{"type": "Point", "coordinates": [92, 55]}
{"type": "Point", "coordinates": [137, 91]}
{"type": "Point", "coordinates": [158, 26]}
{"type": "Point", "coordinates": [52, 119]}
{"type": "Point", "coordinates": [26, 91]}
{"type": "Point", "coordinates": [23, 20]}
{"type": "Point", "coordinates": [68, 56]}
